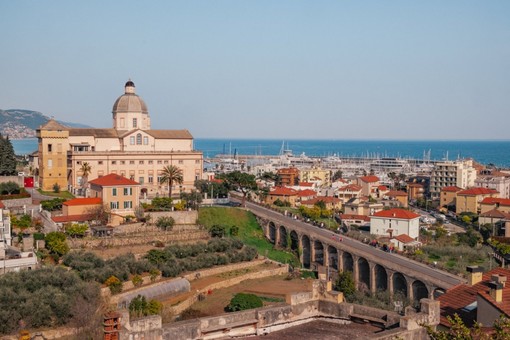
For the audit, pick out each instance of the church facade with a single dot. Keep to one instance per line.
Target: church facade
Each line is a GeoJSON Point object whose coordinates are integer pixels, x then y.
{"type": "Point", "coordinates": [130, 149]}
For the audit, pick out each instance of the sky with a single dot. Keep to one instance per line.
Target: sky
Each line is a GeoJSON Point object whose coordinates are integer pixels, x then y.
{"type": "Point", "coordinates": [266, 68]}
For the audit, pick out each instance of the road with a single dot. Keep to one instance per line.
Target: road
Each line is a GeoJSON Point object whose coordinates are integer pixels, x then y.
{"type": "Point", "coordinates": [400, 261]}
{"type": "Point", "coordinates": [451, 227]}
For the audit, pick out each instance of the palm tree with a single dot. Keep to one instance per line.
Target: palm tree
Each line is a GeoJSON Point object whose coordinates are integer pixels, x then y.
{"type": "Point", "coordinates": [171, 174]}
{"type": "Point", "coordinates": [85, 172]}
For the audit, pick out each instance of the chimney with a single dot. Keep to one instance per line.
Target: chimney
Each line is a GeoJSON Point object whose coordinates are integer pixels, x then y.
{"type": "Point", "coordinates": [496, 291]}
{"type": "Point", "coordinates": [499, 279]}
{"type": "Point", "coordinates": [475, 274]}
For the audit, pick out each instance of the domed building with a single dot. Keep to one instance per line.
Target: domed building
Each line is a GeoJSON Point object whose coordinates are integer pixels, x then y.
{"type": "Point", "coordinates": [130, 149]}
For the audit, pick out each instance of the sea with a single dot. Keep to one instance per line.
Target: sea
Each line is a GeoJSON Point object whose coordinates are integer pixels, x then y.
{"type": "Point", "coordinates": [495, 152]}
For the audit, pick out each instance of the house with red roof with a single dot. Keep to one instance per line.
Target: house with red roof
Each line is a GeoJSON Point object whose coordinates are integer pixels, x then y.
{"type": "Point", "coordinates": [362, 206]}
{"type": "Point", "coordinates": [78, 210]}
{"type": "Point", "coordinates": [121, 195]}
{"type": "Point", "coordinates": [359, 220]}
{"type": "Point", "coordinates": [404, 242]}
{"type": "Point", "coordinates": [469, 200]}
{"type": "Point", "coordinates": [283, 194]}
{"type": "Point", "coordinates": [349, 191]}
{"type": "Point", "coordinates": [489, 203]}
{"type": "Point", "coordinates": [448, 196]}
{"type": "Point", "coordinates": [368, 184]}
{"type": "Point", "coordinates": [394, 222]}
{"type": "Point", "coordinates": [306, 194]}
{"type": "Point", "coordinates": [482, 299]}
{"type": "Point", "coordinates": [399, 198]}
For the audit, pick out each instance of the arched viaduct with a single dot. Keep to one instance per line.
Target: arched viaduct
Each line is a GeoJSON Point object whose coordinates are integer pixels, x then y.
{"type": "Point", "coordinates": [372, 268]}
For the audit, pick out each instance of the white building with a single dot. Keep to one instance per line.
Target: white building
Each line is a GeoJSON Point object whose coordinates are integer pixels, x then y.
{"type": "Point", "coordinates": [394, 222]}
{"type": "Point", "coordinates": [460, 173]}
{"type": "Point", "coordinates": [496, 180]}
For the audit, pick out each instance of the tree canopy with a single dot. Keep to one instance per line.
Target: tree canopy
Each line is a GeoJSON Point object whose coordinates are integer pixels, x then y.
{"type": "Point", "coordinates": [240, 181]}
{"type": "Point", "coordinates": [7, 157]}
{"type": "Point", "coordinates": [171, 174]}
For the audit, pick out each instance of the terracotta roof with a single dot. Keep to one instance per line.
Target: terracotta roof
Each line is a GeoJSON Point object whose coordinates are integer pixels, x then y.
{"type": "Point", "coordinates": [52, 125]}
{"type": "Point", "coordinates": [305, 184]}
{"type": "Point", "coordinates": [83, 201]}
{"type": "Point", "coordinates": [2, 206]}
{"type": "Point", "coordinates": [306, 193]}
{"type": "Point", "coordinates": [73, 218]}
{"type": "Point", "coordinates": [169, 134]}
{"type": "Point", "coordinates": [369, 179]}
{"type": "Point", "coordinates": [283, 191]}
{"type": "Point", "coordinates": [382, 187]}
{"type": "Point", "coordinates": [112, 180]}
{"type": "Point", "coordinates": [325, 199]}
{"type": "Point", "coordinates": [496, 200]}
{"type": "Point", "coordinates": [354, 217]}
{"type": "Point", "coordinates": [451, 189]}
{"type": "Point", "coordinates": [477, 191]}
{"type": "Point", "coordinates": [495, 213]}
{"type": "Point", "coordinates": [98, 133]}
{"type": "Point", "coordinates": [395, 193]}
{"type": "Point", "coordinates": [457, 298]}
{"type": "Point", "coordinates": [404, 238]}
{"type": "Point", "coordinates": [397, 213]}
{"type": "Point", "coordinates": [350, 187]}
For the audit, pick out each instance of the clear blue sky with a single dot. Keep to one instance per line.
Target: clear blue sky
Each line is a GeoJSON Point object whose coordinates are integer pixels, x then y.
{"type": "Point", "coordinates": [266, 69]}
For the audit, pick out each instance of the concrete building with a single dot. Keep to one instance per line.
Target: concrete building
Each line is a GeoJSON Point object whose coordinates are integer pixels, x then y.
{"type": "Point", "coordinates": [394, 222]}
{"type": "Point", "coordinates": [492, 179]}
{"type": "Point", "coordinates": [347, 192]}
{"type": "Point", "coordinates": [460, 173]}
{"type": "Point", "coordinates": [489, 203]}
{"type": "Point", "coordinates": [331, 203]}
{"type": "Point", "coordinates": [399, 197]}
{"type": "Point", "coordinates": [359, 206]}
{"type": "Point", "coordinates": [316, 174]}
{"type": "Point", "coordinates": [469, 200]}
{"type": "Point", "coordinates": [288, 176]}
{"type": "Point", "coordinates": [368, 184]}
{"type": "Point", "coordinates": [130, 149]}
{"type": "Point", "coordinates": [448, 195]}
{"type": "Point", "coordinates": [283, 194]}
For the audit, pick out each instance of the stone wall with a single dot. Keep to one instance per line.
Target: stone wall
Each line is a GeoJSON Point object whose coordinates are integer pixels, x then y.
{"type": "Point", "coordinates": [18, 202]}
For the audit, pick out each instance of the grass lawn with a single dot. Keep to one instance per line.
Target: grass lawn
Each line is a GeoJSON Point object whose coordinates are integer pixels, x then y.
{"type": "Point", "coordinates": [249, 231]}
{"type": "Point", "coordinates": [62, 194]}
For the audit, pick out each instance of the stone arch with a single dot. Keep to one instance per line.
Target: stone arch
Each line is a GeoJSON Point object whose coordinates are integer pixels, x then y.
{"type": "Point", "coordinates": [363, 274]}
{"type": "Point", "coordinates": [333, 257]}
{"type": "Point", "coordinates": [307, 260]}
{"type": "Point", "coordinates": [272, 233]}
{"type": "Point", "coordinates": [420, 290]}
{"type": "Point", "coordinates": [283, 237]}
{"type": "Point", "coordinates": [318, 248]}
{"type": "Point", "coordinates": [348, 262]}
{"type": "Point", "coordinates": [399, 284]}
{"type": "Point", "coordinates": [381, 278]}
{"type": "Point", "coordinates": [294, 241]}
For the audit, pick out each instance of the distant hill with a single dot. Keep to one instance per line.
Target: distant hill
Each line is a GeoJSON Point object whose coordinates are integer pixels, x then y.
{"type": "Point", "coordinates": [17, 123]}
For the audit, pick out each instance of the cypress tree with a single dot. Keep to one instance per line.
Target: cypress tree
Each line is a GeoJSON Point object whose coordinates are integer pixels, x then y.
{"type": "Point", "coordinates": [7, 157]}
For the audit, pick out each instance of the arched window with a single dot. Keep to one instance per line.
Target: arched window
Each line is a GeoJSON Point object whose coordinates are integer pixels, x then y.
{"type": "Point", "coordinates": [139, 139]}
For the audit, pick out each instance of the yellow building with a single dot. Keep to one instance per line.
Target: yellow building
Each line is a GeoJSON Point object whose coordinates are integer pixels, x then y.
{"type": "Point", "coordinates": [448, 195]}
{"type": "Point", "coordinates": [469, 200]}
{"type": "Point", "coordinates": [130, 149]}
{"type": "Point", "coordinates": [315, 174]}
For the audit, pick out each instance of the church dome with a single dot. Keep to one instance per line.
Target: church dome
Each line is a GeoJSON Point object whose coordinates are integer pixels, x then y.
{"type": "Point", "coordinates": [129, 101]}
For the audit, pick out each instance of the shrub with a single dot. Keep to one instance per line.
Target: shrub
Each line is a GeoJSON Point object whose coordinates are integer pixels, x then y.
{"type": "Point", "coordinates": [243, 301]}
{"type": "Point", "coordinates": [137, 280]}
{"type": "Point", "coordinates": [56, 243]}
{"type": "Point", "coordinates": [114, 284]}
{"type": "Point", "coordinates": [345, 284]}
{"type": "Point", "coordinates": [56, 188]}
{"type": "Point", "coordinates": [139, 306]}
{"type": "Point", "coordinates": [53, 205]}
{"type": "Point", "coordinates": [154, 273]}
{"type": "Point", "coordinates": [217, 231]}
{"type": "Point", "coordinates": [165, 222]}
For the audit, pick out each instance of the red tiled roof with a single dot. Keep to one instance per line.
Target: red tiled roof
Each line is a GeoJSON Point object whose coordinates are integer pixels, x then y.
{"type": "Point", "coordinates": [73, 218]}
{"type": "Point", "coordinates": [350, 187]}
{"type": "Point", "coordinates": [451, 189]}
{"type": "Point", "coordinates": [83, 201]}
{"type": "Point", "coordinates": [382, 187]}
{"type": "Point", "coordinates": [404, 238]}
{"type": "Point", "coordinates": [2, 206]}
{"type": "Point", "coordinates": [369, 179]}
{"type": "Point", "coordinates": [460, 296]}
{"type": "Point", "coordinates": [496, 214]}
{"type": "Point", "coordinates": [395, 193]}
{"type": "Point", "coordinates": [495, 200]}
{"type": "Point", "coordinates": [305, 184]}
{"type": "Point", "coordinates": [217, 180]}
{"type": "Point", "coordinates": [354, 217]}
{"type": "Point", "coordinates": [477, 191]}
{"type": "Point", "coordinates": [325, 199]}
{"type": "Point", "coordinates": [283, 191]}
{"type": "Point", "coordinates": [306, 193]}
{"type": "Point", "coordinates": [112, 180]}
{"type": "Point", "coordinates": [396, 213]}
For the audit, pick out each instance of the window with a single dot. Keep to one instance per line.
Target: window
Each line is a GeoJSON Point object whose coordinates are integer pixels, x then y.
{"type": "Point", "coordinates": [132, 177]}
{"type": "Point", "coordinates": [100, 162]}
{"type": "Point", "coordinates": [122, 162]}
{"type": "Point", "coordinates": [181, 161]}
{"type": "Point", "coordinates": [139, 139]}
{"type": "Point", "coordinates": [128, 191]}
{"type": "Point", "coordinates": [140, 162]}
{"type": "Point", "coordinates": [50, 147]}
{"type": "Point", "coordinates": [131, 162]}
{"type": "Point", "coordinates": [151, 162]}
{"type": "Point", "coordinates": [135, 123]}
{"type": "Point", "coordinates": [160, 162]}
{"type": "Point", "coordinates": [166, 162]}
{"type": "Point", "coordinates": [114, 191]}
{"type": "Point", "coordinates": [122, 123]}
{"type": "Point", "coordinates": [159, 179]}
{"type": "Point", "coordinates": [145, 140]}
{"type": "Point", "coordinates": [140, 180]}
{"type": "Point", "coordinates": [114, 205]}
{"type": "Point", "coordinates": [150, 179]}
{"type": "Point", "coordinates": [128, 205]}
{"type": "Point", "coordinates": [197, 161]}
{"type": "Point", "coordinates": [114, 162]}
{"type": "Point", "coordinates": [132, 140]}
{"type": "Point", "coordinates": [50, 163]}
